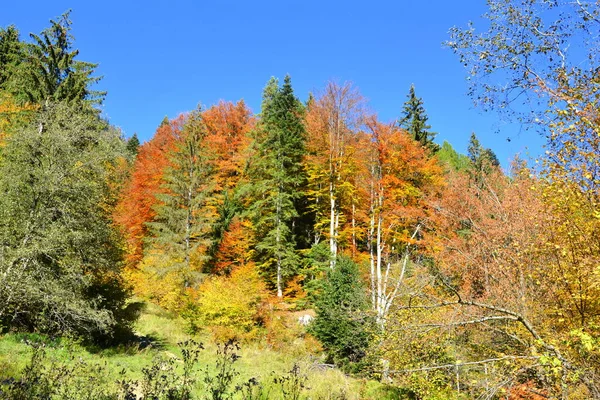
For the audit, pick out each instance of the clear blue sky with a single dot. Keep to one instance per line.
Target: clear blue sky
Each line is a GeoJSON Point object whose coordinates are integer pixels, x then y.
{"type": "Point", "coordinates": [162, 58]}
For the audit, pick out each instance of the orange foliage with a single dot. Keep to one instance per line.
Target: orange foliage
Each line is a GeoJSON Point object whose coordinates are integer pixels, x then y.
{"type": "Point", "coordinates": [527, 391]}
{"type": "Point", "coordinates": [227, 127]}
{"type": "Point", "coordinates": [234, 249]}
{"type": "Point", "coordinates": [136, 205]}
{"type": "Point", "coordinates": [404, 179]}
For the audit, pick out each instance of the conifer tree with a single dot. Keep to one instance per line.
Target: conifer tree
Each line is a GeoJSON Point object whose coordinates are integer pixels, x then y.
{"type": "Point", "coordinates": [276, 176]}
{"type": "Point", "coordinates": [342, 323]}
{"type": "Point", "coordinates": [180, 231]}
{"type": "Point", "coordinates": [414, 120]}
{"type": "Point", "coordinates": [133, 145]}
{"type": "Point", "coordinates": [10, 52]}
{"type": "Point", "coordinates": [50, 72]}
{"type": "Point", "coordinates": [482, 159]}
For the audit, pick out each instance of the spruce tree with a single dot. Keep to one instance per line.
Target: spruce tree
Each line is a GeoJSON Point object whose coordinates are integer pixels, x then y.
{"type": "Point", "coordinates": [414, 120]}
{"type": "Point", "coordinates": [133, 145]}
{"type": "Point", "coordinates": [11, 52]}
{"type": "Point", "coordinates": [276, 177]}
{"type": "Point", "coordinates": [342, 323]}
{"type": "Point", "coordinates": [180, 232]}
{"type": "Point", "coordinates": [49, 71]}
{"type": "Point", "coordinates": [483, 160]}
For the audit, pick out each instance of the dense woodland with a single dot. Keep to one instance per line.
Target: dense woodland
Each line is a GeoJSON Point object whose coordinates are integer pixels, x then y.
{"type": "Point", "coordinates": [431, 271]}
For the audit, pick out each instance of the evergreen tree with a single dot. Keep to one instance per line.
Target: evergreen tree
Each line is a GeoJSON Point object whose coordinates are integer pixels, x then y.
{"type": "Point", "coordinates": [133, 145]}
{"type": "Point", "coordinates": [60, 256]}
{"type": "Point", "coordinates": [342, 324]}
{"type": "Point", "coordinates": [11, 52]}
{"type": "Point", "coordinates": [181, 229]}
{"type": "Point", "coordinates": [276, 176]}
{"type": "Point", "coordinates": [482, 159]}
{"type": "Point", "coordinates": [414, 120]}
{"type": "Point", "coordinates": [49, 71]}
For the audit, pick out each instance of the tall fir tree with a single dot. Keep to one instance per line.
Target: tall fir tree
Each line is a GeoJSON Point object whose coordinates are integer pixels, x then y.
{"type": "Point", "coordinates": [414, 120]}
{"type": "Point", "coordinates": [180, 232]}
{"type": "Point", "coordinates": [49, 71]}
{"type": "Point", "coordinates": [11, 52]}
{"type": "Point", "coordinates": [483, 160]}
{"type": "Point", "coordinates": [276, 176]}
{"type": "Point", "coordinates": [133, 145]}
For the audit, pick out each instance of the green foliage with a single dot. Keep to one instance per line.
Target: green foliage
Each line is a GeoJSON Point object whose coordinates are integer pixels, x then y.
{"type": "Point", "coordinates": [60, 257]}
{"type": "Point", "coordinates": [483, 160]}
{"type": "Point", "coordinates": [453, 159]}
{"type": "Point", "coordinates": [49, 71]}
{"type": "Point", "coordinates": [10, 52]}
{"type": "Point", "coordinates": [316, 263]}
{"type": "Point", "coordinates": [180, 231]}
{"type": "Point", "coordinates": [133, 145]}
{"type": "Point", "coordinates": [342, 323]}
{"type": "Point", "coordinates": [276, 176]}
{"type": "Point", "coordinates": [166, 378]}
{"type": "Point", "coordinates": [414, 120]}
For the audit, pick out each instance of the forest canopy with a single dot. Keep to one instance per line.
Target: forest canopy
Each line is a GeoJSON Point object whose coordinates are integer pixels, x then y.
{"type": "Point", "coordinates": [433, 271]}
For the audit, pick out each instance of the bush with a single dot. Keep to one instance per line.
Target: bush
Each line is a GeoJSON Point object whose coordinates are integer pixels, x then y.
{"type": "Point", "coordinates": [229, 306]}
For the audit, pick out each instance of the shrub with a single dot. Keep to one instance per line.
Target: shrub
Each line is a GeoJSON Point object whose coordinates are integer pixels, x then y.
{"type": "Point", "coordinates": [229, 305]}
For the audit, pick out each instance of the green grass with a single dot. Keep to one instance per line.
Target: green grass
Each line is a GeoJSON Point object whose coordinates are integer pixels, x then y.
{"type": "Point", "coordinates": [160, 333]}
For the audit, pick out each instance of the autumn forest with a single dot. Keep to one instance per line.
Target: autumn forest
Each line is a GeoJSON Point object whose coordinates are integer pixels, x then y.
{"type": "Point", "coordinates": [311, 228]}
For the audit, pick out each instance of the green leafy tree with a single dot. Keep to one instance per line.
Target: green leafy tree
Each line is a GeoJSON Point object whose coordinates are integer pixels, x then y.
{"type": "Point", "coordinates": [453, 159]}
{"type": "Point", "coordinates": [276, 177]}
{"type": "Point", "coordinates": [342, 323]}
{"type": "Point", "coordinates": [60, 257]}
{"type": "Point", "coordinates": [414, 120]}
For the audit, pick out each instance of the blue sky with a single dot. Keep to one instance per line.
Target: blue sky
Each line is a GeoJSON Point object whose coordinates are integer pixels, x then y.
{"type": "Point", "coordinates": [162, 58]}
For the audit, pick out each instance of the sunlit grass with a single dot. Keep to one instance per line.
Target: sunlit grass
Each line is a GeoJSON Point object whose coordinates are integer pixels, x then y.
{"type": "Point", "coordinates": [159, 333]}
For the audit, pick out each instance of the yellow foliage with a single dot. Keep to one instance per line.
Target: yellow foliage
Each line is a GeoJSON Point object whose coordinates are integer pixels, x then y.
{"type": "Point", "coordinates": [12, 115]}
{"type": "Point", "coordinates": [229, 306]}
{"type": "Point", "coordinates": [165, 288]}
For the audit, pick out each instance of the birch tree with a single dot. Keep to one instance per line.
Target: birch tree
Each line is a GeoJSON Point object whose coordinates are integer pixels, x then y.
{"type": "Point", "coordinates": [333, 122]}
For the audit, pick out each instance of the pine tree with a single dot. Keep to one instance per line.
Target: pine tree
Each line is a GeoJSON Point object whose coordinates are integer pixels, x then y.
{"type": "Point", "coordinates": [181, 229]}
{"type": "Point", "coordinates": [276, 176]}
{"type": "Point", "coordinates": [483, 160]}
{"type": "Point", "coordinates": [414, 120]}
{"type": "Point", "coordinates": [480, 156]}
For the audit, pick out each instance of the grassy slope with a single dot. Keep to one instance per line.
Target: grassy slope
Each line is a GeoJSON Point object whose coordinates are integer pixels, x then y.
{"type": "Point", "coordinates": [256, 360]}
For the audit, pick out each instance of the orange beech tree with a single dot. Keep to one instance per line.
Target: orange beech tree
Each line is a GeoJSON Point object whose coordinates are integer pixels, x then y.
{"type": "Point", "coordinates": [228, 126]}
{"type": "Point", "coordinates": [137, 200]}
{"type": "Point", "coordinates": [402, 178]}
{"type": "Point", "coordinates": [515, 279]}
